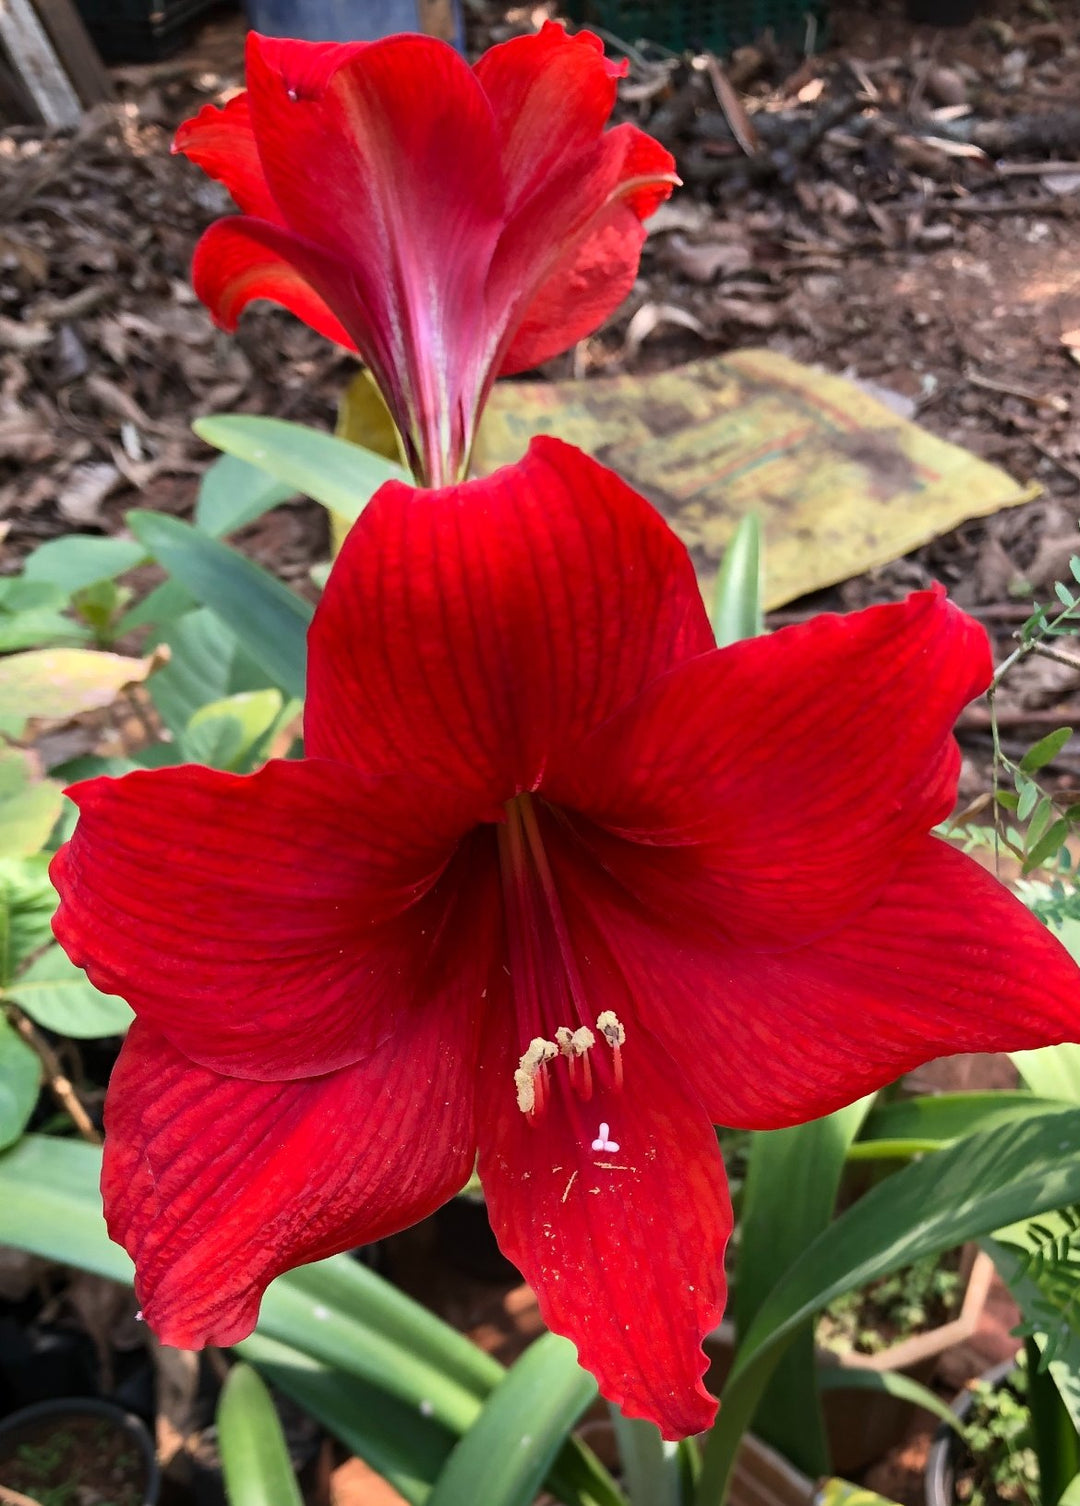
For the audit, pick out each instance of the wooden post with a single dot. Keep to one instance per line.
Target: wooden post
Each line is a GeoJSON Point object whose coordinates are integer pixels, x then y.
{"type": "Point", "coordinates": [33, 59]}
{"type": "Point", "coordinates": [73, 46]}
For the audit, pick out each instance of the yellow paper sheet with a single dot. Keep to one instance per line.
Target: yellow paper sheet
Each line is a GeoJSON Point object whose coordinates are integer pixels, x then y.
{"type": "Point", "coordinates": [839, 482]}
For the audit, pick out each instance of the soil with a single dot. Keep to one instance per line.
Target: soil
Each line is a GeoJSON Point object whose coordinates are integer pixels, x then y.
{"type": "Point", "coordinates": [918, 1298]}
{"type": "Point", "coordinates": [76, 1461]}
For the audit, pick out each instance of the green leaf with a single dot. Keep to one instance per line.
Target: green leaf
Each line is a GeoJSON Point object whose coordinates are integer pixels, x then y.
{"type": "Point", "coordinates": [269, 620]}
{"type": "Point", "coordinates": [892, 1383]}
{"type": "Point", "coordinates": [398, 1441]}
{"type": "Point", "coordinates": [82, 560]}
{"type": "Point", "coordinates": [1029, 794]}
{"type": "Point", "coordinates": [963, 1192]}
{"type": "Point", "coordinates": [226, 734]}
{"type": "Point", "coordinates": [56, 684]}
{"type": "Point", "coordinates": [20, 1078]}
{"type": "Point", "coordinates": [1047, 847]}
{"type": "Point", "coordinates": [792, 1180]}
{"type": "Point", "coordinates": [504, 1456]}
{"type": "Point", "coordinates": [1045, 750]}
{"type": "Point", "coordinates": [254, 1456]}
{"type": "Point", "coordinates": [27, 903]}
{"type": "Point", "coordinates": [233, 494]}
{"type": "Point", "coordinates": [1052, 1071]}
{"type": "Point", "coordinates": [651, 1468]}
{"type": "Point", "coordinates": [57, 994]}
{"type": "Point", "coordinates": [737, 612]}
{"type": "Point", "coordinates": [1070, 1496]}
{"type": "Point", "coordinates": [912, 1126]}
{"type": "Point", "coordinates": [29, 805]}
{"type": "Point", "coordinates": [340, 475]}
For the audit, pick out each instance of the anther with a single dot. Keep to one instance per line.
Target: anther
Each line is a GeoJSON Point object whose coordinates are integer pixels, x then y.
{"type": "Point", "coordinates": [530, 1079]}
{"type": "Point", "coordinates": [575, 1046]}
{"type": "Point", "coordinates": [611, 1028]}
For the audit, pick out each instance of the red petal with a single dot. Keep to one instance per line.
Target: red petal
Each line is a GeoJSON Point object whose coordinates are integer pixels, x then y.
{"type": "Point", "coordinates": [777, 780]}
{"type": "Point", "coordinates": [946, 960]}
{"type": "Point", "coordinates": [239, 260]}
{"type": "Point", "coordinates": [222, 143]}
{"type": "Point", "coordinates": [215, 1185]}
{"type": "Point", "coordinates": [551, 94]}
{"type": "Point", "coordinates": [267, 924]}
{"type": "Point", "coordinates": [585, 287]}
{"type": "Point", "coordinates": [470, 633]}
{"type": "Point", "coordinates": [624, 1247]}
{"type": "Point", "coordinates": [555, 234]}
{"type": "Point", "coordinates": [388, 160]}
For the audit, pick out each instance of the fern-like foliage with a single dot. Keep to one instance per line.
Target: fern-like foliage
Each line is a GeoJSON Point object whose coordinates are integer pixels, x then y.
{"type": "Point", "coordinates": [1050, 1260]}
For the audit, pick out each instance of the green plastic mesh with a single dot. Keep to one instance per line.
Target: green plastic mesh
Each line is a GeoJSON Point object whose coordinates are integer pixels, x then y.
{"type": "Point", "coordinates": [699, 25]}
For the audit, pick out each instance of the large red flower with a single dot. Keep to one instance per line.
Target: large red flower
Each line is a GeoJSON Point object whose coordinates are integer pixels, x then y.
{"type": "Point", "coordinates": [449, 223]}
{"type": "Point", "coordinates": [558, 881]}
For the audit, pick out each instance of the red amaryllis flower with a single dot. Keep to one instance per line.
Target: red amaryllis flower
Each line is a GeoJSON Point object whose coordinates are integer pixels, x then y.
{"type": "Point", "coordinates": [449, 223]}
{"type": "Point", "coordinates": [558, 881]}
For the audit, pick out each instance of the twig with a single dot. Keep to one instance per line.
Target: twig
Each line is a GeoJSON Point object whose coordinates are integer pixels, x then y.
{"type": "Point", "coordinates": [1035, 169]}
{"type": "Point", "coordinates": [742, 127]}
{"type": "Point", "coordinates": [1039, 205]}
{"type": "Point", "coordinates": [57, 1082]}
{"type": "Point", "coordinates": [1046, 652]}
{"type": "Point", "coordinates": [978, 719]}
{"type": "Point", "coordinates": [989, 385]}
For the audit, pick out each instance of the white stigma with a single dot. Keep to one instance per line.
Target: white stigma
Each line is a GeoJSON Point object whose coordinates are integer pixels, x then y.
{"type": "Point", "coordinates": [603, 1140]}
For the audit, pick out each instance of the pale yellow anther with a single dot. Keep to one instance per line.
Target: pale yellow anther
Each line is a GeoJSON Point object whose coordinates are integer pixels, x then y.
{"type": "Point", "coordinates": [574, 1042]}
{"type": "Point", "coordinates": [525, 1083]}
{"type": "Point", "coordinates": [533, 1061]}
{"type": "Point", "coordinates": [610, 1027]}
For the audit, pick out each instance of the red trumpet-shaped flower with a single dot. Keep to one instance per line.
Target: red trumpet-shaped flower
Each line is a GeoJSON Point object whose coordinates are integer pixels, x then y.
{"type": "Point", "coordinates": [449, 223]}
{"type": "Point", "coordinates": [558, 882]}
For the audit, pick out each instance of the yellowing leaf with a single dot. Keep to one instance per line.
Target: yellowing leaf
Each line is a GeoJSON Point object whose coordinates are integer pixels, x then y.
{"type": "Point", "coordinates": [56, 684]}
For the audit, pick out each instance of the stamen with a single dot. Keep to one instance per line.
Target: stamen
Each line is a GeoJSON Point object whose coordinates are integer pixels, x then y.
{"type": "Point", "coordinates": [530, 1079]}
{"type": "Point", "coordinates": [575, 1046]}
{"type": "Point", "coordinates": [611, 1028]}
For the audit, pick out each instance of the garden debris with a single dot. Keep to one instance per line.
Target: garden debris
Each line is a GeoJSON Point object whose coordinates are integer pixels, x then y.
{"type": "Point", "coordinates": [840, 482]}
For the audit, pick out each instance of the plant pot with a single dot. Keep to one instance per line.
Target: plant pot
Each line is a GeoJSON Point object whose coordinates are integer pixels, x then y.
{"type": "Point", "coordinates": [863, 1425]}
{"type": "Point", "coordinates": [941, 1463]}
{"type": "Point", "coordinates": [79, 1442]}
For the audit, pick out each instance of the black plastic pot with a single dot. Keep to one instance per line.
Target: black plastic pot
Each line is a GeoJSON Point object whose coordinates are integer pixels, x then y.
{"type": "Point", "coordinates": [942, 12]}
{"type": "Point", "coordinates": [942, 1460]}
{"type": "Point", "coordinates": [31, 1422]}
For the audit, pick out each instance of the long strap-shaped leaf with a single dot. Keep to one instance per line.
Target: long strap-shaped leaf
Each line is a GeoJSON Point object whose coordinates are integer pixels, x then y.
{"type": "Point", "coordinates": [963, 1192]}
{"type": "Point", "coordinates": [913, 1126]}
{"type": "Point", "coordinates": [270, 620]}
{"type": "Point", "coordinates": [533, 1408]}
{"type": "Point", "coordinates": [792, 1180]}
{"type": "Point", "coordinates": [254, 1456]}
{"type": "Point", "coordinates": [340, 475]}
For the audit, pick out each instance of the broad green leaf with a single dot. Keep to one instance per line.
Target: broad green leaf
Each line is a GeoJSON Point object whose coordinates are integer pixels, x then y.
{"type": "Point", "coordinates": [340, 475]}
{"type": "Point", "coordinates": [201, 655]}
{"type": "Point", "coordinates": [965, 1191]}
{"type": "Point", "coordinates": [20, 1078]}
{"type": "Point", "coordinates": [269, 620]}
{"type": "Point", "coordinates": [912, 1126]}
{"type": "Point", "coordinates": [737, 610]}
{"type": "Point", "coordinates": [1029, 795]}
{"type": "Point", "coordinates": [792, 1180]}
{"type": "Point", "coordinates": [254, 1455]}
{"type": "Point", "coordinates": [503, 1458]}
{"type": "Point", "coordinates": [892, 1383]}
{"type": "Point", "coordinates": [225, 734]}
{"type": "Point", "coordinates": [398, 1441]}
{"type": "Point", "coordinates": [27, 903]}
{"type": "Point", "coordinates": [31, 615]}
{"type": "Point", "coordinates": [233, 494]}
{"type": "Point", "coordinates": [56, 684]}
{"type": "Point", "coordinates": [29, 805]}
{"type": "Point", "coordinates": [163, 605]}
{"type": "Point", "coordinates": [57, 994]}
{"type": "Point", "coordinates": [81, 560]}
